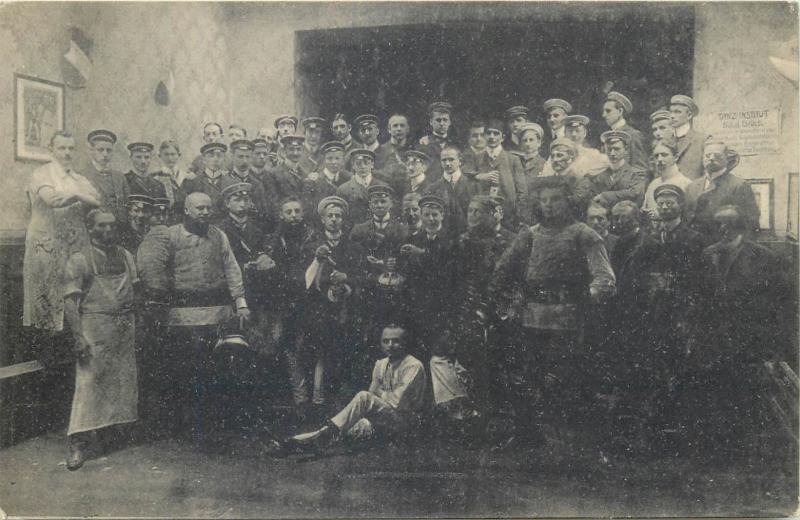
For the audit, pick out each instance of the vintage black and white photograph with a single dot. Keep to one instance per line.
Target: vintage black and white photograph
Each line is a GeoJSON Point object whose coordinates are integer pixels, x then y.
{"type": "Point", "coordinates": [399, 259]}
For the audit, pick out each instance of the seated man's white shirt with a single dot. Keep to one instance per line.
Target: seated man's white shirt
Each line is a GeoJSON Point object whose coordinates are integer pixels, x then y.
{"type": "Point", "coordinates": [396, 392]}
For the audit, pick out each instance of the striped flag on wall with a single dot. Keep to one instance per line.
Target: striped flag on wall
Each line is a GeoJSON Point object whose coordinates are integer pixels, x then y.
{"type": "Point", "coordinates": [77, 62]}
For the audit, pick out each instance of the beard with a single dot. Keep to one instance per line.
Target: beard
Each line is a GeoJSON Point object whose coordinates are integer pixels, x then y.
{"type": "Point", "coordinates": [291, 229]}
{"type": "Point", "coordinates": [195, 226]}
{"type": "Point", "coordinates": [556, 220]}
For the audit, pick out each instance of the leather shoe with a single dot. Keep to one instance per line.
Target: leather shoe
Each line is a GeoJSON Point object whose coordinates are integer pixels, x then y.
{"type": "Point", "coordinates": [77, 455]}
{"type": "Point", "coordinates": [314, 440]}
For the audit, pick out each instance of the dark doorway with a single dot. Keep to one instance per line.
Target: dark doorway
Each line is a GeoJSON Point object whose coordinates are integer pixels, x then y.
{"type": "Point", "coordinates": [485, 67]}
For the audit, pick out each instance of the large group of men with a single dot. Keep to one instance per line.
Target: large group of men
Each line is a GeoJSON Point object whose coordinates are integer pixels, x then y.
{"type": "Point", "coordinates": [504, 285]}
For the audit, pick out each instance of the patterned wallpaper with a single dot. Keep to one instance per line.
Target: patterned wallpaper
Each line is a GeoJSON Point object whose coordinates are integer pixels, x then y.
{"type": "Point", "coordinates": [135, 46]}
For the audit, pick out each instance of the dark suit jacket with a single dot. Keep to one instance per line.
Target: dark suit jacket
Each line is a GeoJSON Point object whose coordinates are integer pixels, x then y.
{"type": "Point", "coordinates": [690, 154]}
{"type": "Point", "coordinates": [387, 153]}
{"type": "Point", "coordinates": [456, 201]}
{"type": "Point", "coordinates": [629, 183]}
{"type": "Point", "coordinates": [282, 182]}
{"type": "Point", "coordinates": [145, 186]}
{"type": "Point", "coordinates": [726, 189]}
{"type": "Point", "coordinates": [315, 191]}
{"type": "Point", "coordinates": [513, 184]}
{"type": "Point", "coordinates": [749, 305]}
{"type": "Point", "coordinates": [379, 243]}
{"type": "Point", "coordinates": [639, 150]}
{"type": "Point", "coordinates": [204, 184]}
{"type": "Point", "coordinates": [434, 150]}
{"type": "Point", "coordinates": [113, 189]}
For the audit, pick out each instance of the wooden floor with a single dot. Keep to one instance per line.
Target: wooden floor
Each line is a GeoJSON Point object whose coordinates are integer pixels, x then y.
{"type": "Point", "coordinates": [171, 479]}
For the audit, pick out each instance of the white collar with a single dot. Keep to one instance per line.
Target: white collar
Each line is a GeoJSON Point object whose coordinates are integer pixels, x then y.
{"type": "Point", "coordinates": [238, 221]}
{"type": "Point", "coordinates": [452, 177]}
{"type": "Point", "coordinates": [618, 124]}
{"type": "Point", "coordinates": [558, 132]}
{"type": "Point", "coordinates": [683, 129]}
{"type": "Point", "coordinates": [98, 168]}
{"type": "Point", "coordinates": [476, 151]}
{"type": "Point", "coordinates": [365, 182]}
{"type": "Point", "coordinates": [372, 147]}
{"type": "Point", "coordinates": [382, 220]}
{"type": "Point", "coordinates": [333, 177]}
{"type": "Point", "coordinates": [213, 175]}
{"type": "Point", "coordinates": [494, 152]}
{"type": "Point", "coordinates": [331, 237]}
{"type": "Point", "coordinates": [618, 168]}
{"type": "Point", "coordinates": [416, 181]}
{"type": "Point", "coordinates": [434, 235]}
{"type": "Point", "coordinates": [395, 143]}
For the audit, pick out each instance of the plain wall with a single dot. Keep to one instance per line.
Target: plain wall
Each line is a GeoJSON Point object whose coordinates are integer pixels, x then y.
{"type": "Point", "coordinates": [732, 72]}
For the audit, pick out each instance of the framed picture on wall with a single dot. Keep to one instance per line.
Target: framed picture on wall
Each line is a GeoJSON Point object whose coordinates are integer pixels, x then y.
{"type": "Point", "coordinates": [763, 190]}
{"type": "Point", "coordinates": [38, 112]}
{"type": "Point", "coordinates": [793, 209]}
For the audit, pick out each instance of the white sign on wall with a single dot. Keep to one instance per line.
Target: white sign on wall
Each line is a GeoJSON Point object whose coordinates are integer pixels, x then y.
{"type": "Point", "coordinates": [749, 132]}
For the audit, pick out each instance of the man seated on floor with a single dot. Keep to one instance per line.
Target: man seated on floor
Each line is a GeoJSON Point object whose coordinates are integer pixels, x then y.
{"type": "Point", "coordinates": [395, 397]}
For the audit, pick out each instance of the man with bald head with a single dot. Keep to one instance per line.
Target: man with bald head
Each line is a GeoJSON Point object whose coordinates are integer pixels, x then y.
{"type": "Point", "coordinates": [190, 272]}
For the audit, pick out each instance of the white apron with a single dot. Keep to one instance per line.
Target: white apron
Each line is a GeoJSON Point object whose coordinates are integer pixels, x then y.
{"type": "Point", "coordinates": [106, 390]}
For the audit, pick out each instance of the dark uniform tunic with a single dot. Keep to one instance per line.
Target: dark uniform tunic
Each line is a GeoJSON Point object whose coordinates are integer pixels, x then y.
{"type": "Point", "coordinates": [316, 190]}
{"type": "Point", "coordinates": [703, 201]}
{"type": "Point", "coordinates": [747, 317]}
{"type": "Point", "coordinates": [456, 201]}
{"type": "Point", "coordinates": [476, 258]}
{"type": "Point", "coordinates": [357, 198]}
{"type": "Point", "coordinates": [513, 184]}
{"type": "Point", "coordinates": [138, 185]}
{"type": "Point", "coordinates": [283, 181]}
{"type": "Point", "coordinates": [211, 187]}
{"type": "Point", "coordinates": [657, 300]}
{"type": "Point", "coordinates": [433, 149]}
{"type": "Point", "coordinates": [112, 187]}
{"type": "Point", "coordinates": [626, 183]}
{"type": "Point", "coordinates": [130, 238]}
{"type": "Point", "coordinates": [430, 279]}
{"type": "Point", "coordinates": [379, 305]}
{"type": "Point", "coordinates": [327, 317]}
{"type": "Point", "coordinates": [262, 206]}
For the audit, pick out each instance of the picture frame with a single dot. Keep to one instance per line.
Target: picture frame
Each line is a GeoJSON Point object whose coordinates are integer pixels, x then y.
{"type": "Point", "coordinates": [764, 191]}
{"type": "Point", "coordinates": [793, 208]}
{"type": "Point", "coordinates": [39, 111]}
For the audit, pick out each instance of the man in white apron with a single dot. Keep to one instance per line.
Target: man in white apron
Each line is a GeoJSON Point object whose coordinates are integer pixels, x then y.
{"type": "Point", "coordinates": [98, 306]}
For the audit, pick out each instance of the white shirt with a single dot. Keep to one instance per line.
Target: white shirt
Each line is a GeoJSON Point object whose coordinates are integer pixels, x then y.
{"type": "Point", "coordinates": [365, 181]}
{"type": "Point", "coordinates": [452, 178]}
{"type": "Point", "coordinates": [683, 129]}
{"type": "Point", "coordinates": [213, 175]}
{"type": "Point", "coordinates": [99, 168]}
{"type": "Point", "coordinates": [494, 152]}
{"type": "Point", "coordinates": [332, 177]}
{"type": "Point", "coordinates": [673, 176]}
{"type": "Point", "coordinates": [381, 223]}
{"type": "Point", "coordinates": [416, 181]}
